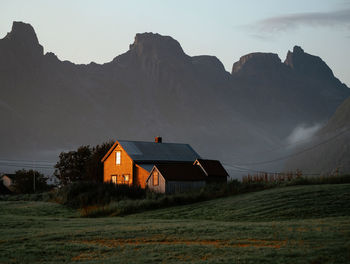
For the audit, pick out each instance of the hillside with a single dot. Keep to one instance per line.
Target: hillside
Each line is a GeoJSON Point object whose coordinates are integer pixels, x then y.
{"type": "Point", "coordinates": [155, 88]}
{"type": "Point", "coordinates": [251, 228]}
{"type": "Point", "coordinates": [291, 203]}
{"type": "Point", "coordinates": [334, 152]}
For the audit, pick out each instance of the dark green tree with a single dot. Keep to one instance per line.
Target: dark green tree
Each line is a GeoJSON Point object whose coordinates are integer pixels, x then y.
{"type": "Point", "coordinates": [94, 167]}
{"type": "Point", "coordinates": [29, 182]}
{"type": "Point", "coordinates": [71, 166]}
{"type": "Point", "coordinates": [84, 164]}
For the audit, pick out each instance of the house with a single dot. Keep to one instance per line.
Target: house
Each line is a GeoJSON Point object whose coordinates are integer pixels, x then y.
{"type": "Point", "coordinates": [130, 162]}
{"type": "Point", "coordinates": [7, 182]}
{"type": "Point", "coordinates": [213, 170]}
{"type": "Point", "coordinates": [175, 177]}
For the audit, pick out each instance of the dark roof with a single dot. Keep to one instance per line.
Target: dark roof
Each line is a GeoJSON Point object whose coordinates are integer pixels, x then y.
{"type": "Point", "coordinates": [141, 151]}
{"type": "Point", "coordinates": [181, 172]}
{"type": "Point", "coordinates": [212, 167]}
{"type": "Point", "coordinates": [148, 167]}
{"type": "Point", "coordinates": [11, 176]}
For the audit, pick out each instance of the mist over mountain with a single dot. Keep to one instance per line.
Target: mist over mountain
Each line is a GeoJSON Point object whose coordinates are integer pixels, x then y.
{"type": "Point", "coordinates": [332, 154]}
{"type": "Point", "coordinates": [48, 105]}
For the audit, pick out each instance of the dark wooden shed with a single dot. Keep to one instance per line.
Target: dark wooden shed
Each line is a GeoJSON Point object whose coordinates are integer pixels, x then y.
{"type": "Point", "coordinates": [213, 170]}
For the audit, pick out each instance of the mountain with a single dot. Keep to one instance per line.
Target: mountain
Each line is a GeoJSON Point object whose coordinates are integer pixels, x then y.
{"type": "Point", "coordinates": [330, 148]}
{"type": "Point", "coordinates": [49, 105]}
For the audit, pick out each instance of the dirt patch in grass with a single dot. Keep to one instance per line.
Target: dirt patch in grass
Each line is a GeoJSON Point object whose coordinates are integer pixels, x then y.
{"type": "Point", "coordinates": [112, 243]}
{"type": "Point", "coordinates": [85, 256]}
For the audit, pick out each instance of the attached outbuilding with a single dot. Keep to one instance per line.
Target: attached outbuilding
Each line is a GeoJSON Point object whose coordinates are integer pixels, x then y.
{"type": "Point", "coordinates": [213, 170]}
{"type": "Point", "coordinates": [175, 177]}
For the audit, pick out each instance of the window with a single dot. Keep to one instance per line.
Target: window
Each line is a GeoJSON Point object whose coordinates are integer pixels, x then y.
{"type": "Point", "coordinates": [126, 178]}
{"type": "Point", "coordinates": [155, 178]}
{"type": "Point", "coordinates": [114, 179]}
{"type": "Point", "coordinates": [117, 157]}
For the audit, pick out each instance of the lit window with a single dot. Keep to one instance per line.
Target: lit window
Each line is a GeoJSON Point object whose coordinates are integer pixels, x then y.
{"type": "Point", "coordinates": [117, 157]}
{"type": "Point", "coordinates": [155, 178]}
{"type": "Point", "coordinates": [114, 179]}
{"type": "Point", "coordinates": [126, 178]}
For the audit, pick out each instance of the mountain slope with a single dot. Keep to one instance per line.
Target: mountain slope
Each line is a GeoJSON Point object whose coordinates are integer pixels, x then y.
{"type": "Point", "coordinates": [332, 151]}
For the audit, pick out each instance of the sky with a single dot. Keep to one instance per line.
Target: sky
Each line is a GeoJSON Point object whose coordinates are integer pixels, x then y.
{"type": "Point", "coordinates": [82, 31]}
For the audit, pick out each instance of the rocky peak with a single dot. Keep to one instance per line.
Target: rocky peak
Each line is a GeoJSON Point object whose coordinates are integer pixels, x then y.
{"type": "Point", "coordinates": [257, 61]}
{"type": "Point", "coordinates": [23, 41]}
{"type": "Point", "coordinates": [156, 46]}
{"type": "Point", "coordinates": [307, 64]}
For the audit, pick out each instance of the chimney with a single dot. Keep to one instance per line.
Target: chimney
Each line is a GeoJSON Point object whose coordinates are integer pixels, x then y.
{"type": "Point", "coordinates": [158, 139]}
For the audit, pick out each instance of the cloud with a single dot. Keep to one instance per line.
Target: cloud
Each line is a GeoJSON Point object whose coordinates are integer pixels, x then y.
{"type": "Point", "coordinates": [302, 133]}
{"type": "Point", "coordinates": [314, 19]}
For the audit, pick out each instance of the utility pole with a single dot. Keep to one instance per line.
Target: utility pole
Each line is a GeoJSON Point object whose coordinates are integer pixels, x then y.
{"type": "Point", "coordinates": [34, 176]}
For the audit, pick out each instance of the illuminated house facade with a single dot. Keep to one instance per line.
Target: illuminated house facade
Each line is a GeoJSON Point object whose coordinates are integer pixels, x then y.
{"type": "Point", "coordinates": [130, 162]}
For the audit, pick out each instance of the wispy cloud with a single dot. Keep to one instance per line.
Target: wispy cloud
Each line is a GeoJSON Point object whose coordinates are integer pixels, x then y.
{"type": "Point", "coordinates": [314, 19]}
{"type": "Point", "coordinates": [302, 133]}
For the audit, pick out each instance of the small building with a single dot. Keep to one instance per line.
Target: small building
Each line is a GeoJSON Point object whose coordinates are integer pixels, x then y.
{"type": "Point", "coordinates": [213, 170]}
{"type": "Point", "coordinates": [130, 162]}
{"type": "Point", "coordinates": [175, 177]}
{"type": "Point", "coordinates": [8, 181]}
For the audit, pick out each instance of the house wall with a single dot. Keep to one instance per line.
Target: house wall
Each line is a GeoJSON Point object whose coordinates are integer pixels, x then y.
{"type": "Point", "coordinates": [140, 176]}
{"type": "Point", "coordinates": [160, 188]}
{"type": "Point", "coordinates": [111, 168]}
{"type": "Point", "coordinates": [6, 181]}
{"type": "Point", "coordinates": [214, 179]}
{"type": "Point", "coordinates": [182, 186]}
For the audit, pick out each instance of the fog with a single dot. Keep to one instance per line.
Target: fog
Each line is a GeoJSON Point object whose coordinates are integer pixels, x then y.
{"type": "Point", "coordinates": [303, 133]}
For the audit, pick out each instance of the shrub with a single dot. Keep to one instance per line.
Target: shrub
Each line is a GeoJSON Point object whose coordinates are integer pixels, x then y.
{"type": "Point", "coordinates": [30, 181]}
{"type": "Point", "coordinates": [326, 179]}
{"type": "Point", "coordinates": [83, 194]}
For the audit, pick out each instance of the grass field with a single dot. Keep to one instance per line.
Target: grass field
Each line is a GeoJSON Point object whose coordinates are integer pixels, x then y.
{"type": "Point", "coordinates": [299, 224]}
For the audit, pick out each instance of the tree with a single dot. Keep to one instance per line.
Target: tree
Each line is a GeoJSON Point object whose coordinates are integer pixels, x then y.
{"type": "Point", "coordinates": [29, 182]}
{"type": "Point", "coordinates": [72, 165]}
{"type": "Point", "coordinates": [84, 164]}
{"type": "Point", "coordinates": [94, 167]}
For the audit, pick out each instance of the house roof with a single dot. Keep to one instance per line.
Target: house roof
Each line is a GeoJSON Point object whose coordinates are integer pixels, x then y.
{"type": "Point", "coordinates": [141, 151]}
{"type": "Point", "coordinates": [212, 167]}
{"type": "Point", "coordinates": [11, 176]}
{"type": "Point", "coordinates": [180, 172]}
{"type": "Point", "coordinates": [147, 167]}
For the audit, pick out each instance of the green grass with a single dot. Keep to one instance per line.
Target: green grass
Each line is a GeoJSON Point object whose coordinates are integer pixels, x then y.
{"type": "Point", "coordinates": [296, 202]}
{"type": "Point", "coordinates": [299, 224]}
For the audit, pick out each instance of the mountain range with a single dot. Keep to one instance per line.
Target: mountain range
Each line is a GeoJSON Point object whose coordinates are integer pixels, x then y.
{"type": "Point", "coordinates": [156, 89]}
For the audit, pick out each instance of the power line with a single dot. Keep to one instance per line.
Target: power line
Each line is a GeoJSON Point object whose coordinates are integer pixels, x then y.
{"type": "Point", "coordinates": [27, 166]}
{"type": "Point", "coordinates": [31, 161]}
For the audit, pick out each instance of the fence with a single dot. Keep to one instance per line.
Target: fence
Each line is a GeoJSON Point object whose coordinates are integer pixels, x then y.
{"type": "Point", "coordinates": [272, 177]}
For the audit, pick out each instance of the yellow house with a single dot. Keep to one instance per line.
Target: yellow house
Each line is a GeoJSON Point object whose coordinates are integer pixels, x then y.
{"type": "Point", "coordinates": [130, 162]}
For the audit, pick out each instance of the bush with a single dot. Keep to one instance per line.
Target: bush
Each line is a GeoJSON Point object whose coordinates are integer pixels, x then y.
{"type": "Point", "coordinates": [83, 194]}
{"type": "Point", "coordinates": [157, 200]}
{"type": "Point", "coordinates": [329, 179]}
{"type": "Point", "coordinates": [29, 181]}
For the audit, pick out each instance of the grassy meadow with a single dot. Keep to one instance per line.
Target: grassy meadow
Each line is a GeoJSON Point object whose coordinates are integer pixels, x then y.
{"type": "Point", "coordinates": [297, 224]}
